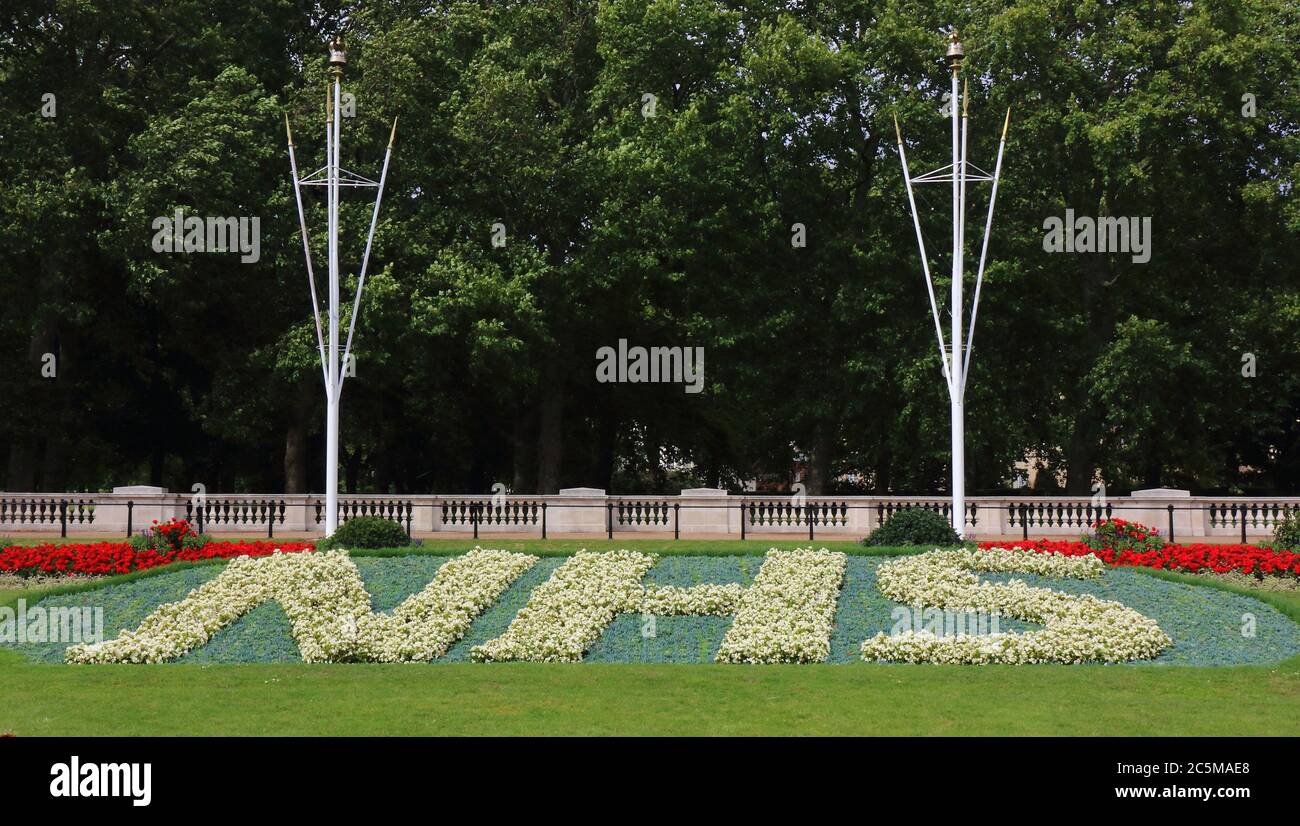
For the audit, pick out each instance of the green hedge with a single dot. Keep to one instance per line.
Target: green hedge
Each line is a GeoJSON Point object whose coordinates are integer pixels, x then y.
{"type": "Point", "coordinates": [914, 526]}
{"type": "Point", "coordinates": [366, 532]}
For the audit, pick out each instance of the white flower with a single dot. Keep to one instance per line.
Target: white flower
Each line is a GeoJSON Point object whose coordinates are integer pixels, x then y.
{"type": "Point", "coordinates": [699, 600]}
{"type": "Point", "coordinates": [568, 612]}
{"type": "Point", "coordinates": [785, 616]}
{"type": "Point", "coordinates": [788, 614]}
{"type": "Point", "coordinates": [1076, 628]}
{"type": "Point", "coordinates": [425, 625]}
{"type": "Point", "coordinates": [327, 605]}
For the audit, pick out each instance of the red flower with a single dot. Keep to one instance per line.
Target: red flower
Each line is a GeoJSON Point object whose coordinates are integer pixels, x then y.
{"type": "Point", "coordinates": [102, 558]}
{"type": "Point", "coordinates": [1246, 559]}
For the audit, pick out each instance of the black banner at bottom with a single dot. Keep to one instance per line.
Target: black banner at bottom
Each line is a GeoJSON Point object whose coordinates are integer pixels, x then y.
{"type": "Point", "coordinates": [143, 776]}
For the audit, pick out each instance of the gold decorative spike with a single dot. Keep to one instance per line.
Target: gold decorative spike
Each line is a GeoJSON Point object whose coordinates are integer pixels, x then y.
{"type": "Point", "coordinates": [393, 136]}
{"type": "Point", "coordinates": [287, 131]}
{"type": "Point", "coordinates": [897, 131]}
{"type": "Point", "coordinates": [1006, 123]}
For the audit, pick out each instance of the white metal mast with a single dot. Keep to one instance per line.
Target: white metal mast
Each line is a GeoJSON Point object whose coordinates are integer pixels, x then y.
{"type": "Point", "coordinates": [954, 357]}
{"type": "Point", "coordinates": [333, 177]}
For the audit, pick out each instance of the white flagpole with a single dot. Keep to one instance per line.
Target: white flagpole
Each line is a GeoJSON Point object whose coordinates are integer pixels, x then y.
{"type": "Point", "coordinates": [337, 59]}
{"type": "Point", "coordinates": [961, 224]}
{"type": "Point", "coordinates": [332, 177]}
{"type": "Point", "coordinates": [925, 261]}
{"type": "Point", "coordinates": [306, 248]}
{"type": "Point", "coordinates": [365, 259]}
{"type": "Point", "coordinates": [984, 250]}
{"type": "Point", "coordinates": [956, 360]}
{"type": "Point", "coordinates": [955, 378]}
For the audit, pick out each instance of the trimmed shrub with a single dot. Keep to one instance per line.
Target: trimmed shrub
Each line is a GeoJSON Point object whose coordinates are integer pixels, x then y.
{"type": "Point", "coordinates": [914, 526]}
{"type": "Point", "coordinates": [1286, 536]}
{"type": "Point", "coordinates": [367, 532]}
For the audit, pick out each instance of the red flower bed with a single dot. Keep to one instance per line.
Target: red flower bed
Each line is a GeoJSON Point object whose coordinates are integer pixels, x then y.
{"type": "Point", "coordinates": [1248, 559]}
{"type": "Point", "coordinates": [100, 558]}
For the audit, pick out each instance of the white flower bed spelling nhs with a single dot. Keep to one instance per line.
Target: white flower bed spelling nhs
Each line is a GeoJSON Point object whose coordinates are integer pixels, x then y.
{"type": "Point", "coordinates": [328, 607]}
{"type": "Point", "coordinates": [787, 615]}
{"type": "Point", "coordinates": [1076, 628]}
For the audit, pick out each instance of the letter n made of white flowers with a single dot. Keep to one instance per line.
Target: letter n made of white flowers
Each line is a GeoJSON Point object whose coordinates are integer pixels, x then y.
{"type": "Point", "coordinates": [328, 607]}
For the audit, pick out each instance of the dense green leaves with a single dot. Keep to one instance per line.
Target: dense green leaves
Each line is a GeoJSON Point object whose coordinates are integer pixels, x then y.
{"type": "Point", "coordinates": [649, 164]}
{"type": "Point", "coordinates": [914, 526]}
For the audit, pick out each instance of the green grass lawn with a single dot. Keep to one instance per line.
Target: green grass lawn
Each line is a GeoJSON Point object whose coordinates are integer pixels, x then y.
{"type": "Point", "coordinates": [526, 698]}
{"type": "Point", "coordinates": [529, 698]}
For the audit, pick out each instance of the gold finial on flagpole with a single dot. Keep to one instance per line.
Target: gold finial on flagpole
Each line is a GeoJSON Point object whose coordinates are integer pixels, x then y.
{"type": "Point", "coordinates": [338, 57]}
{"type": "Point", "coordinates": [955, 52]}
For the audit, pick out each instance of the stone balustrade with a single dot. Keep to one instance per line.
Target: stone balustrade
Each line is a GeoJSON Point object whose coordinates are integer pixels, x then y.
{"type": "Point", "coordinates": [590, 511]}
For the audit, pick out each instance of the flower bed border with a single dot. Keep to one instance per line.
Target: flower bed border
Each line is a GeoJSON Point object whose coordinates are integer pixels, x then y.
{"type": "Point", "coordinates": [110, 558]}
{"type": "Point", "coordinates": [1246, 559]}
{"type": "Point", "coordinates": [1283, 603]}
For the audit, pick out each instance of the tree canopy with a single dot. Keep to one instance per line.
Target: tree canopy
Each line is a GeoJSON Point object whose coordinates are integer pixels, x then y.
{"type": "Point", "coordinates": [648, 165]}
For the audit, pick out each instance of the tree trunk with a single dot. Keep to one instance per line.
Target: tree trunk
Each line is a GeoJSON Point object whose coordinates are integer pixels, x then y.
{"type": "Point", "coordinates": [819, 462]}
{"type": "Point", "coordinates": [381, 461]}
{"type": "Point", "coordinates": [1080, 457]}
{"type": "Point", "coordinates": [525, 474]}
{"type": "Point", "coordinates": [605, 453]}
{"type": "Point", "coordinates": [480, 443]}
{"type": "Point", "coordinates": [658, 476]}
{"type": "Point", "coordinates": [550, 436]}
{"type": "Point", "coordinates": [156, 464]}
{"type": "Point", "coordinates": [1155, 471]}
{"type": "Point", "coordinates": [25, 452]}
{"type": "Point", "coordinates": [351, 469]}
{"type": "Point", "coordinates": [296, 442]}
{"type": "Point", "coordinates": [54, 465]}
{"type": "Point", "coordinates": [21, 474]}
{"type": "Point", "coordinates": [882, 476]}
